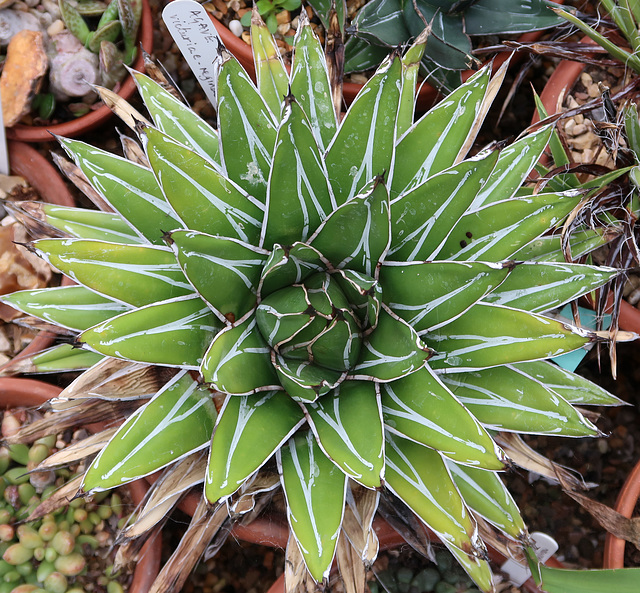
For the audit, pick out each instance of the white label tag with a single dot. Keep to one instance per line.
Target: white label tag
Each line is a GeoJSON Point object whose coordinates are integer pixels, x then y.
{"type": "Point", "coordinates": [197, 39]}
{"type": "Point", "coordinates": [545, 547]}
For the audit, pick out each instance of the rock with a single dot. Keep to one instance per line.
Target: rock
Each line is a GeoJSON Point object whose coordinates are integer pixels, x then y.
{"type": "Point", "coordinates": [73, 68]}
{"type": "Point", "coordinates": [13, 21]}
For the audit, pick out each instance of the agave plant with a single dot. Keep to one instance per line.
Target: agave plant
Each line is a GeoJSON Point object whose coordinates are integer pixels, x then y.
{"type": "Point", "coordinates": [356, 307]}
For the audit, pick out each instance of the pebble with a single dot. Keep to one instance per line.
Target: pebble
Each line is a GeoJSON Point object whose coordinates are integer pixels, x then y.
{"type": "Point", "coordinates": [235, 27]}
{"type": "Point", "coordinates": [56, 27]}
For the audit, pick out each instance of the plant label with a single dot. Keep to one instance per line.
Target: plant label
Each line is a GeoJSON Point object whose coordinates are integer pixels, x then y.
{"type": "Point", "coordinates": [197, 39]}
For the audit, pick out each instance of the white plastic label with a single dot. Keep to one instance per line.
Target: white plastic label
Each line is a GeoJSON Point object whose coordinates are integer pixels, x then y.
{"type": "Point", "coordinates": [197, 39]}
{"type": "Point", "coordinates": [545, 547]}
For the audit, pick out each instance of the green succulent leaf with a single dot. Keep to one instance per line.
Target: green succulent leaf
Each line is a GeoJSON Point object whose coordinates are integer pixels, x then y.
{"type": "Point", "coordinates": [429, 294]}
{"type": "Point", "coordinates": [381, 22]}
{"type": "Point", "coordinates": [419, 477]}
{"type": "Point", "coordinates": [129, 13]}
{"type": "Point", "coordinates": [410, 68]}
{"type": "Point", "coordinates": [361, 55]}
{"type": "Point", "coordinates": [348, 425]}
{"type": "Point", "coordinates": [225, 272]}
{"type": "Point", "coordinates": [247, 130]}
{"type": "Point", "coordinates": [549, 248]}
{"type": "Point", "coordinates": [199, 194]}
{"type": "Point", "coordinates": [476, 567]}
{"type": "Point", "coordinates": [363, 147]}
{"type": "Point", "coordinates": [178, 120]}
{"type": "Point", "coordinates": [171, 333]}
{"type": "Point", "coordinates": [487, 495]}
{"type": "Point", "coordinates": [238, 361]}
{"type": "Point", "coordinates": [490, 335]}
{"type": "Point", "coordinates": [74, 22]}
{"type": "Point", "coordinates": [304, 381]}
{"type": "Point", "coordinates": [315, 491]}
{"type": "Point", "coordinates": [290, 265]}
{"type": "Point", "coordinates": [109, 32]}
{"type": "Point", "coordinates": [133, 274]}
{"type": "Point", "coordinates": [357, 234]}
{"type": "Point", "coordinates": [502, 398]}
{"type": "Point", "coordinates": [177, 421]}
{"type": "Point", "coordinates": [73, 307]}
{"type": "Point", "coordinates": [298, 197]}
{"type": "Point", "coordinates": [499, 17]}
{"type": "Point", "coordinates": [250, 428]}
{"type": "Point", "coordinates": [64, 358]}
{"type": "Point", "coordinates": [419, 407]}
{"type": "Point", "coordinates": [363, 293]}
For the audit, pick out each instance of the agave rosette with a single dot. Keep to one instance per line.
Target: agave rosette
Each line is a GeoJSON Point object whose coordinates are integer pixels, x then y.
{"type": "Point", "coordinates": [359, 300]}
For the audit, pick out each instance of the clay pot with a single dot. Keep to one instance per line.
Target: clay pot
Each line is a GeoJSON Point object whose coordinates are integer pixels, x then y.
{"type": "Point", "coordinates": [625, 505]}
{"type": "Point", "coordinates": [93, 119]}
{"type": "Point", "coordinates": [29, 392]}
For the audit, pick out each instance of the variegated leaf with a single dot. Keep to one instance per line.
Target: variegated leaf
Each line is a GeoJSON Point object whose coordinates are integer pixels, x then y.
{"type": "Point", "coordinates": [304, 381]}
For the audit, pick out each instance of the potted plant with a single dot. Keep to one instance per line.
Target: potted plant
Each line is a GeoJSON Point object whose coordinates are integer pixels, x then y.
{"type": "Point", "coordinates": [94, 118]}
{"type": "Point", "coordinates": [331, 309]}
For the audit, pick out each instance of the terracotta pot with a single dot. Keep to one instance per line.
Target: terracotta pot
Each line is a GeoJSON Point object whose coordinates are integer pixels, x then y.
{"type": "Point", "coordinates": [46, 180]}
{"type": "Point", "coordinates": [625, 505]}
{"type": "Point", "coordinates": [29, 392]}
{"type": "Point", "coordinates": [99, 116]}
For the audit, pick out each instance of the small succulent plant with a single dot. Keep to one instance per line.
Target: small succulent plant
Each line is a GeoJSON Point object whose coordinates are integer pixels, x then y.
{"type": "Point", "coordinates": [269, 10]}
{"type": "Point", "coordinates": [350, 309]}
{"type": "Point", "coordinates": [381, 25]}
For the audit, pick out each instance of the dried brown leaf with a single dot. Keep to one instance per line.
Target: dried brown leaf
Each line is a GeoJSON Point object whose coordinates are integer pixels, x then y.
{"type": "Point", "coordinates": [296, 576]}
{"type": "Point", "coordinates": [61, 497]}
{"type": "Point", "coordinates": [78, 451]}
{"type": "Point", "coordinates": [75, 174]}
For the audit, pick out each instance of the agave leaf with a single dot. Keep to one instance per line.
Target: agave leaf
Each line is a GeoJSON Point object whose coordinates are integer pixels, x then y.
{"type": "Point", "coordinates": [199, 194]}
{"type": "Point", "coordinates": [238, 360]}
{"type": "Point", "coordinates": [486, 494]}
{"type": "Point", "coordinates": [504, 399]}
{"type": "Point", "coordinates": [315, 489]}
{"type": "Point", "coordinates": [172, 333]}
{"type": "Point", "coordinates": [419, 407]}
{"type": "Point", "coordinates": [90, 224]}
{"type": "Point", "coordinates": [348, 425]}
{"type": "Point", "coordinates": [59, 498]}
{"type": "Point", "coordinates": [363, 293]}
{"type": "Point", "coordinates": [57, 359]}
{"type": "Point", "coordinates": [304, 381]}
{"type": "Point", "coordinates": [73, 307]}
{"type": "Point", "coordinates": [419, 477]}
{"type": "Point", "coordinates": [573, 388]}
{"type": "Point", "coordinates": [271, 76]}
{"type": "Point", "coordinates": [434, 142]}
{"type": "Point", "coordinates": [298, 197]}
{"type": "Point", "coordinates": [424, 216]}
{"type": "Point", "coordinates": [469, 342]}
{"type": "Point", "coordinates": [247, 130]}
{"type": "Point", "coordinates": [361, 56]}
{"type": "Point", "coordinates": [133, 274]}
{"type": "Point", "coordinates": [310, 85]}
{"type": "Point", "coordinates": [176, 422]}
{"type": "Point", "coordinates": [410, 67]}
{"type": "Point", "coordinates": [223, 271]}
{"type": "Point", "coordinates": [357, 234]}
{"type": "Point", "coordinates": [539, 287]}
{"type": "Point", "coordinates": [381, 22]}
{"type": "Point", "coordinates": [549, 248]}
{"type": "Point", "coordinates": [476, 567]}
{"type": "Point", "coordinates": [129, 188]}
{"type": "Point", "coordinates": [497, 231]}
{"type": "Point", "coordinates": [429, 294]}
{"type": "Point", "coordinates": [499, 17]}
{"type": "Point", "coordinates": [364, 144]}
{"type": "Point", "coordinates": [178, 120]}
{"type": "Point", "coordinates": [249, 430]}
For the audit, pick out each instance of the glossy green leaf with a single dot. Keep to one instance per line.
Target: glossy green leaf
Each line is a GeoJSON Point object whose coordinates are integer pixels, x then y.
{"type": "Point", "coordinates": [134, 274]}
{"type": "Point", "coordinates": [130, 189]}
{"type": "Point", "coordinates": [364, 144]}
{"type": "Point", "coordinates": [502, 398]}
{"type": "Point", "coordinates": [200, 195]}
{"type": "Point", "coordinates": [429, 294]}
{"type": "Point", "coordinates": [363, 293]}
{"type": "Point", "coordinates": [238, 361]}
{"type": "Point", "coordinates": [549, 247]}
{"type": "Point", "coordinates": [299, 197]}
{"type": "Point", "coordinates": [348, 425]}
{"type": "Point", "coordinates": [176, 422]}
{"type": "Point", "coordinates": [310, 86]}
{"type": "Point", "coordinates": [178, 120]}
{"type": "Point", "coordinates": [490, 335]}
{"type": "Point", "coordinates": [419, 407]}
{"type": "Point", "coordinates": [170, 333]}
{"type": "Point", "coordinates": [249, 430]}
{"type": "Point", "coordinates": [303, 381]}
{"type": "Point", "coordinates": [539, 287]}
{"type": "Point", "coordinates": [392, 351]}
{"type": "Point", "coordinates": [356, 235]}
{"type": "Point", "coordinates": [434, 142]}
{"type": "Point", "coordinates": [246, 128]}
{"type": "Point", "coordinates": [64, 358]}
{"type": "Point", "coordinates": [489, 17]}
{"type": "Point", "coordinates": [360, 56]}
{"type": "Point", "coordinates": [423, 217]}
{"type": "Point", "coordinates": [73, 307]}
{"type": "Point", "coordinates": [271, 76]}
{"type": "Point", "coordinates": [410, 68]}
{"type": "Point", "coordinates": [90, 224]}
{"type": "Point", "coordinates": [73, 21]}
{"type": "Point", "coordinates": [476, 567]}
{"type": "Point", "coordinates": [381, 22]}
{"type": "Point", "coordinates": [419, 477]}
{"type": "Point", "coordinates": [225, 272]}
{"type": "Point", "coordinates": [315, 491]}
{"type": "Point", "coordinates": [485, 493]}
{"type": "Point", "coordinates": [573, 388]}
{"type": "Point", "coordinates": [108, 32]}
{"type": "Point", "coordinates": [497, 231]}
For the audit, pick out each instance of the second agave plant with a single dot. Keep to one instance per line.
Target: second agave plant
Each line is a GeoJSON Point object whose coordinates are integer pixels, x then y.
{"type": "Point", "coordinates": [347, 310]}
